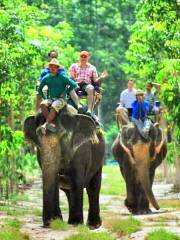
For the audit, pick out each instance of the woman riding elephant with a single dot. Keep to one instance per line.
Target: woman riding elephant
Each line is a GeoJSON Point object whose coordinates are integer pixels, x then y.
{"type": "Point", "coordinates": [77, 155]}
{"type": "Point", "coordinates": [138, 158]}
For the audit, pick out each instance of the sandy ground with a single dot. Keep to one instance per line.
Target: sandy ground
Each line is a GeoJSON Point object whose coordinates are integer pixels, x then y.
{"type": "Point", "coordinates": [111, 206]}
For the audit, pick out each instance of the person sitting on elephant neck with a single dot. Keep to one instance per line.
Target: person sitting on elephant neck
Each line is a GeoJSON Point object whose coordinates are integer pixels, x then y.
{"type": "Point", "coordinates": [140, 109]}
{"type": "Point", "coordinates": [52, 54]}
{"type": "Point", "coordinates": [56, 84]}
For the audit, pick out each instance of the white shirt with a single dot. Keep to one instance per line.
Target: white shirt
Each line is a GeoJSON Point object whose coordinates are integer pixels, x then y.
{"type": "Point", "coordinates": [127, 97]}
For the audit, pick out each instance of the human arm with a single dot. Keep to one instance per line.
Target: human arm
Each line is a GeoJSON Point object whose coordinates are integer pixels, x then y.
{"type": "Point", "coordinates": [68, 81]}
{"type": "Point", "coordinates": [40, 88]}
{"type": "Point", "coordinates": [44, 72]}
{"type": "Point", "coordinates": [103, 75]}
{"type": "Point", "coordinates": [72, 72]}
{"type": "Point", "coordinates": [122, 99]}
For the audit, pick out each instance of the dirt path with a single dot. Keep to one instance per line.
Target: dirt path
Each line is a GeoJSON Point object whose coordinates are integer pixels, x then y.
{"type": "Point", "coordinates": [168, 218]}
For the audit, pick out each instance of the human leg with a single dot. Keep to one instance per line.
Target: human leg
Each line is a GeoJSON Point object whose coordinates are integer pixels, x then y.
{"type": "Point", "coordinates": [75, 99]}
{"type": "Point", "coordinates": [38, 102]}
{"type": "Point", "coordinates": [90, 97]}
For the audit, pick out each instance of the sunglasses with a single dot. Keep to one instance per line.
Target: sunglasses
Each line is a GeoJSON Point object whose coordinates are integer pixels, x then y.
{"type": "Point", "coordinates": [83, 56]}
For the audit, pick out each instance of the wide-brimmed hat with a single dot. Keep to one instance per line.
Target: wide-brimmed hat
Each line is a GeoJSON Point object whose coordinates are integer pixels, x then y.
{"type": "Point", "coordinates": [54, 61]}
{"type": "Point", "coordinates": [139, 92]}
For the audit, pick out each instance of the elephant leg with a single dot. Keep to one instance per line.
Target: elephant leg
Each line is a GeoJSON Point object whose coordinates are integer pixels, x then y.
{"type": "Point", "coordinates": [93, 190]}
{"type": "Point", "coordinates": [75, 197]}
{"type": "Point", "coordinates": [51, 208]}
{"type": "Point", "coordinates": [76, 206]}
{"type": "Point", "coordinates": [142, 200]}
{"type": "Point", "coordinates": [129, 177]}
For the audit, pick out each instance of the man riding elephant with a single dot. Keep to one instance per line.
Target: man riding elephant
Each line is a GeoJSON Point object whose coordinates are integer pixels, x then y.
{"type": "Point", "coordinates": [57, 84]}
{"type": "Point", "coordinates": [77, 155]}
{"type": "Point", "coordinates": [138, 158]}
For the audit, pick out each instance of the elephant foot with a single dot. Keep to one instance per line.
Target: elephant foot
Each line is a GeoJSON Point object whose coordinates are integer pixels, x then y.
{"type": "Point", "coordinates": [130, 206]}
{"type": "Point", "coordinates": [46, 223]}
{"type": "Point", "coordinates": [141, 211]}
{"type": "Point", "coordinates": [94, 224]}
{"type": "Point", "coordinates": [75, 221]}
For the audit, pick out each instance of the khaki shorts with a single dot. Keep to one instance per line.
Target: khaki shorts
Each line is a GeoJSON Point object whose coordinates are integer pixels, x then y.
{"type": "Point", "coordinates": [57, 104]}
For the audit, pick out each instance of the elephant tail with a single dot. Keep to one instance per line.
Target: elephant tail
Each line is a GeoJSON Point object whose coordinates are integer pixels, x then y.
{"type": "Point", "coordinates": [145, 181]}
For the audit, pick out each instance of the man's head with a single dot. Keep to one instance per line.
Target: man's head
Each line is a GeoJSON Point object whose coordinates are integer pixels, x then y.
{"type": "Point", "coordinates": [52, 54]}
{"type": "Point", "coordinates": [54, 66]}
{"type": "Point", "coordinates": [139, 95]}
{"type": "Point", "coordinates": [130, 84]}
{"type": "Point", "coordinates": [84, 57]}
{"type": "Point", "coordinates": [149, 87]}
{"type": "Point", "coordinates": [158, 88]}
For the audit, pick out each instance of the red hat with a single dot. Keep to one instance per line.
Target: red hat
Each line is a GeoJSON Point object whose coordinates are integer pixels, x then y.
{"type": "Point", "coordinates": [84, 53]}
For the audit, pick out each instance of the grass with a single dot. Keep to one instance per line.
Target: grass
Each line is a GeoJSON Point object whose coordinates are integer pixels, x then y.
{"type": "Point", "coordinates": [58, 224]}
{"type": "Point", "coordinates": [165, 218]}
{"type": "Point", "coordinates": [13, 223]}
{"type": "Point", "coordinates": [91, 236]}
{"type": "Point", "coordinates": [162, 234]}
{"type": "Point", "coordinates": [37, 212]}
{"type": "Point", "coordinates": [112, 182]}
{"type": "Point", "coordinates": [12, 211]}
{"type": "Point", "coordinates": [19, 197]}
{"type": "Point", "coordinates": [9, 233]}
{"type": "Point", "coordinates": [10, 230]}
{"type": "Point", "coordinates": [124, 226]}
{"type": "Point", "coordinates": [170, 204]}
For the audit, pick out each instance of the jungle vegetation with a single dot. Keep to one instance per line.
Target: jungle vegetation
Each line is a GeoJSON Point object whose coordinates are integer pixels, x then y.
{"type": "Point", "coordinates": [129, 38]}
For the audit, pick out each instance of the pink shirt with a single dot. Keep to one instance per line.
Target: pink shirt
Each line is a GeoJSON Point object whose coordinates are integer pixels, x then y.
{"type": "Point", "coordinates": [83, 74]}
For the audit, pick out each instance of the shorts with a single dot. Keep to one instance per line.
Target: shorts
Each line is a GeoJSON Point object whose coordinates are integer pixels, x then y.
{"type": "Point", "coordinates": [57, 104]}
{"type": "Point", "coordinates": [83, 88]}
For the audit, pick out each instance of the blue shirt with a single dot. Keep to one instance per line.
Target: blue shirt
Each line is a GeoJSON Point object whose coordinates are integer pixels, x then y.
{"type": "Point", "coordinates": [140, 109]}
{"type": "Point", "coordinates": [46, 71]}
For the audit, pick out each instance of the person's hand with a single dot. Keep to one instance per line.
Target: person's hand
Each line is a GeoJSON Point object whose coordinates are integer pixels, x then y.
{"type": "Point", "coordinates": [104, 74]}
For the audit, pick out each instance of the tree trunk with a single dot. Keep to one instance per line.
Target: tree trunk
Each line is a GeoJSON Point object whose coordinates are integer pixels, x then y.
{"type": "Point", "coordinates": [177, 163]}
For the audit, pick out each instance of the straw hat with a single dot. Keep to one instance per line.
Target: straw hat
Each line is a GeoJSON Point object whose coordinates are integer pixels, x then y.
{"type": "Point", "coordinates": [139, 92]}
{"type": "Point", "coordinates": [54, 61]}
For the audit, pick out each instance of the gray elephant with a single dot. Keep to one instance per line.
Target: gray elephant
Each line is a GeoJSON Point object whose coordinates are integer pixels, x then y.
{"type": "Point", "coordinates": [138, 158]}
{"type": "Point", "coordinates": [77, 155]}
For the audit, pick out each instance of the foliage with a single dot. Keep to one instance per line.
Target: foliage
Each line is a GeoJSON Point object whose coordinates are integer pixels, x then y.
{"type": "Point", "coordinates": [24, 42]}
{"type": "Point", "coordinates": [101, 27]}
{"type": "Point", "coordinates": [153, 54]}
{"type": "Point", "coordinates": [91, 236]}
{"type": "Point", "coordinates": [10, 230]}
{"type": "Point", "coordinates": [162, 234]}
{"type": "Point", "coordinates": [59, 225]}
{"type": "Point", "coordinates": [112, 181]}
{"type": "Point", "coordinates": [126, 226]}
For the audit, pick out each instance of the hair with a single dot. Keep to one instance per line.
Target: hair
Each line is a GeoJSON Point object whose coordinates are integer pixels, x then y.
{"type": "Point", "coordinates": [49, 53]}
{"type": "Point", "coordinates": [130, 80]}
{"type": "Point", "coordinates": [149, 83]}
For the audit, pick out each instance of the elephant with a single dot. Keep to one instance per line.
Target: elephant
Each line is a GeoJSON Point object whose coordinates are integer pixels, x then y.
{"type": "Point", "coordinates": [77, 156]}
{"type": "Point", "coordinates": [138, 159]}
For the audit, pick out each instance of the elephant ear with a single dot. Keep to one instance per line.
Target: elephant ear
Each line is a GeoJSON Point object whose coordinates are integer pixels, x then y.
{"type": "Point", "coordinates": [29, 129]}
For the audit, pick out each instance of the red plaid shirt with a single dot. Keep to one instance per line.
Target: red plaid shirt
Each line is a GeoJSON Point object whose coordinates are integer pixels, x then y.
{"type": "Point", "coordinates": [83, 74]}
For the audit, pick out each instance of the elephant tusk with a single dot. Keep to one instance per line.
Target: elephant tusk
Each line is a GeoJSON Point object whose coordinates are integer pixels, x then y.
{"type": "Point", "coordinates": [126, 149]}
{"type": "Point", "coordinates": [158, 148]}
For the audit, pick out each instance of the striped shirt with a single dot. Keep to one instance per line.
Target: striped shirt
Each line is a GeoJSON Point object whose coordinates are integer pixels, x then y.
{"type": "Point", "coordinates": [86, 74]}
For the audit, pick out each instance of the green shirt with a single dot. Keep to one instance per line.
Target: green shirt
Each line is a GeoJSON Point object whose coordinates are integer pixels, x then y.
{"type": "Point", "coordinates": [56, 85]}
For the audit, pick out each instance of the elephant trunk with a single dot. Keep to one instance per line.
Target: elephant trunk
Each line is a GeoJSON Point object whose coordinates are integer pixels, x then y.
{"type": "Point", "coordinates": [145, 181]}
